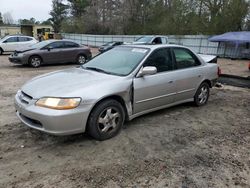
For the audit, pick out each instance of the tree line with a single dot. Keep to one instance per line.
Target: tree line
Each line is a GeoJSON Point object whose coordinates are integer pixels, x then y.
{"type": "Point", "coordinates": [150, 16]}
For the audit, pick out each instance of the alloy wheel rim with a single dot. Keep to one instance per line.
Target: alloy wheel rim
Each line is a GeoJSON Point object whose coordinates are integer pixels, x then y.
{"type": "Point", "coordinates": [35, 62]}
{"type": "Point", "coordinates": [108, 120]}
{"type": "Point", "coordinates": [81, 59]}
{"type": "Point", "coordinates": [202, 97]}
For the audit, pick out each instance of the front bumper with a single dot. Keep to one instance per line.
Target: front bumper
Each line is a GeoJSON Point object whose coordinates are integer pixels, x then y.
{"type": "Point", "coordinates": [16, 59]}
{"type": "Point", "coordinates": [56, 122]}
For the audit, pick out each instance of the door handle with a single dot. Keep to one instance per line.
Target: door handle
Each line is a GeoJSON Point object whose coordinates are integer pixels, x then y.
{"type": "Point", "coordinates": [170, 82]}
{"type": "Point", "coordinates": [199, 76]}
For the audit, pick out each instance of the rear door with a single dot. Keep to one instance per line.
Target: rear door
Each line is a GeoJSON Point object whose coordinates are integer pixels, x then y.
{"type": "Point", "coordinates": [52, 53]}
{"type": "Point", "coordinates": [189, 73]}
{"type": "Point", "coordinates": [152, 91]}
{"type": "Point", "coordinates": [25, 41]}
{"type": "Point", "coordinates": [70, 51]}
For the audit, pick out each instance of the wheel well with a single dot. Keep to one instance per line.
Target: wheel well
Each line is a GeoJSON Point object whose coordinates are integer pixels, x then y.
{"type": "Point", "coordinates": [34, 56]}
{"type": "Point", "coordinates": [118, 99]}
{"type": "Point", "coordinates": [208, 82]}
{"type": "Point", "coordinates": [82, 54]}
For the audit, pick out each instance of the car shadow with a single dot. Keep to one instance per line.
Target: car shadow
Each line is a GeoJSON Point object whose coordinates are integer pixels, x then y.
{"type": "Point", "coordinates": [46, 65]}
{"type": "Point", "coordinates": [38, 136]}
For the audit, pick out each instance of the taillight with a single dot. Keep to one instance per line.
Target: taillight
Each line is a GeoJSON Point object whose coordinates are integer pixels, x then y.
{"type": "Point", "coordinates": [219, 71]}
{"type": "Point", "coordinates": [249, 65]}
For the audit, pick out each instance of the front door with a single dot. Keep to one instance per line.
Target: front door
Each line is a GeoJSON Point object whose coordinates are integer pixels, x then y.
{"type": "Point", "coordinates": [10, 44]}
{"type": "Point", "coordinates": [52, 53]}
{"type": "Point", "coordinates": [152, 91]}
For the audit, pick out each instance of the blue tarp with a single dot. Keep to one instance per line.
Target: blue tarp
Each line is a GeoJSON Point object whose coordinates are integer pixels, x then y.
{"type": "Point", "coordinates": [233, 37]}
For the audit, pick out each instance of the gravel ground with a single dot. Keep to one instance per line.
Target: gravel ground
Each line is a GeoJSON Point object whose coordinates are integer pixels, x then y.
{"type": "Point", "coordinates": [183, 146]}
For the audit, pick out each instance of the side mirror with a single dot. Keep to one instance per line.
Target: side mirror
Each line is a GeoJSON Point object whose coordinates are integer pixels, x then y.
{"type": "Point", "coordinates": [49, 48]}
{"type": "Point", "coordinates": [149, 70]}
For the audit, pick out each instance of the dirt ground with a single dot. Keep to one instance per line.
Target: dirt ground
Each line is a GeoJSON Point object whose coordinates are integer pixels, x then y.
{"type": "Point", "coordinates": [183, 146]}
{"type": "Point", "coordinates": [234, 67]}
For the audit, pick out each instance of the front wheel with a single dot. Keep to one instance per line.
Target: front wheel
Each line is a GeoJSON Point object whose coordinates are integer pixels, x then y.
{"type": "Point", "coordinates": [1, 51]}
{"type": "Point", "coordinates": [202, 94]}
{"type": "Point", "coordinates": [106, 120]}
{"type": "Point", "coordinates": [35, 61]}
{"type": "Point", "coordinates": [81, 59]}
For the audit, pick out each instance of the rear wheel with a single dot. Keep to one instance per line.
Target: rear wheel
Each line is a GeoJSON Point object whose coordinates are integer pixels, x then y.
{"type": "Point", "coordinates": [81, 59]}
{"type": "Point", "coordinates": [106, 120]}
{"type": "Point", "coordinates": [35, 61]}
{"type": "Point", "coordinates": [202, 94]}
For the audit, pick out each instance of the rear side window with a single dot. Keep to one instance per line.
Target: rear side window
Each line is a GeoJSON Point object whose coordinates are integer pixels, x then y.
{"type": "Point", "coordinates": [185, 58]}
{"type": "Point", "coordinates": [11, 39]}
{"type": "Point", "coordinates": [161, 59]}
{"type": "Point", "coordinates": [70, 45]}
{"type": "Point", "coordinates": [24, 39]}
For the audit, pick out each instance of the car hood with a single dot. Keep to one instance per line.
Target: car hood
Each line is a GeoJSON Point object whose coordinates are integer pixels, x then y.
{"type": "Point", "coordinates": [22, 50]}
{"type": "Point", "coordinates": [67, 83]}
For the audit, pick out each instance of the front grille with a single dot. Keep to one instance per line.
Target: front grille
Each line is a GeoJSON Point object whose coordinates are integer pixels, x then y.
{"type": "Point", "coordinates": [25, 98]}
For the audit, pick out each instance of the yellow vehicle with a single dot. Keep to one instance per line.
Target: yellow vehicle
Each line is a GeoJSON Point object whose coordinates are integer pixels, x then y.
{"type": "Point", "coordinates": [48, 35]}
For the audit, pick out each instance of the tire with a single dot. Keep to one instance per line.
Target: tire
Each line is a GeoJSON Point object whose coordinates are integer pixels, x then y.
{"type": "Point", "coordinates": [81, 59]}
{"type": "Point", "coordinates": [35, 61]}
{"type": "Point", "coordinates": [106, 120]}
{"type": "Point", "coordinates": [202, 94]}
{"type": "Point", "coordinates": [1, 51]}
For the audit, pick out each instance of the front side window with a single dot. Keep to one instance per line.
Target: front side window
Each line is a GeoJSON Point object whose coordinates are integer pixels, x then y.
{"type": "Point", "coordinates": [118, 61]}
{"type": "Point", "coordinates": [161, 59]}
{"type": "Point", "coordinates": [56, 45]}
{"type": "Point", "coordinates": [184, 58]}
{"type": "Point", "coordinates": [157, 40]}
{"type": "Point", "coordinates": [11, 39]}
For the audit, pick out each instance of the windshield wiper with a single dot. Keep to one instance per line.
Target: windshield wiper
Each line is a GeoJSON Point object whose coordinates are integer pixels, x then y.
{"type": "Point", "coordinates": [96, 69]}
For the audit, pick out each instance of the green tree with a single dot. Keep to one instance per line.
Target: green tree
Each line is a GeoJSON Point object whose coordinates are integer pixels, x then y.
{"type": "Point", "coordinates": [58, 13]}
{"type": "Point", "coordinates": [1, 19]}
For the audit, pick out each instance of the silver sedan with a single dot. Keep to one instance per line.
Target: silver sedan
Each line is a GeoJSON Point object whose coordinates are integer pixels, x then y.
{"type": "Point", "coordinates": [121, 84]}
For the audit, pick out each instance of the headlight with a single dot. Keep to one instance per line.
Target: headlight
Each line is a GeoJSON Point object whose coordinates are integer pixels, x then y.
{"type": "Point", "coordinates": [58, 103]}
{"type": "Point", "coordinates": [20, 55]}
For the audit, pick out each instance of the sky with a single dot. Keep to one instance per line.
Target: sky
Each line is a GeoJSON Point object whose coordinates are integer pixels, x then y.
{"type": "Point", "coordinates": [25, 9]}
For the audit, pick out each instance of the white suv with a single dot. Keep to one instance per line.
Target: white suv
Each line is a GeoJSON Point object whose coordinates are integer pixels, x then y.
{"type": "Point", "coordinates": [11, 42]}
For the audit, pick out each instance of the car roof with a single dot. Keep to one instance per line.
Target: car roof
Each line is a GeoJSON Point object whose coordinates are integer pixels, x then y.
{"type": "Point", "coordinates": [154, 36]}
{"type": "Point", "coordinates": [63, 40]}
{"type": "Point", "coordinates": [153, 46]}
{"type": "Point", "coordinates": [18, 35]}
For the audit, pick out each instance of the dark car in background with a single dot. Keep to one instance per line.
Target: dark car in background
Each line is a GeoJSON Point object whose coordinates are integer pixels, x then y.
{"type": "Point", "coordinates": [154, 39]}
{"type": "Point", "coordinates": [51, 52]}
{"type": "Point", "coordinates": [109, 46]}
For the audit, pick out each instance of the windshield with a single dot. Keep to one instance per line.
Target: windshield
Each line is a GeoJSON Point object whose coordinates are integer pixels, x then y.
{"type": "Point", "coordinates": [40, 44]}
{"type": "Point", "coordinates": [144, 39]}
{"type": "Point", "coordinates": [3, 38]}
{"type": "Point", "coordinates": [118, 61]}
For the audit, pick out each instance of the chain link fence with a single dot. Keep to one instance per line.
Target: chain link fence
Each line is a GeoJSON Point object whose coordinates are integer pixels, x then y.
{"type": "Point", "coordinates": [198, 43]}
